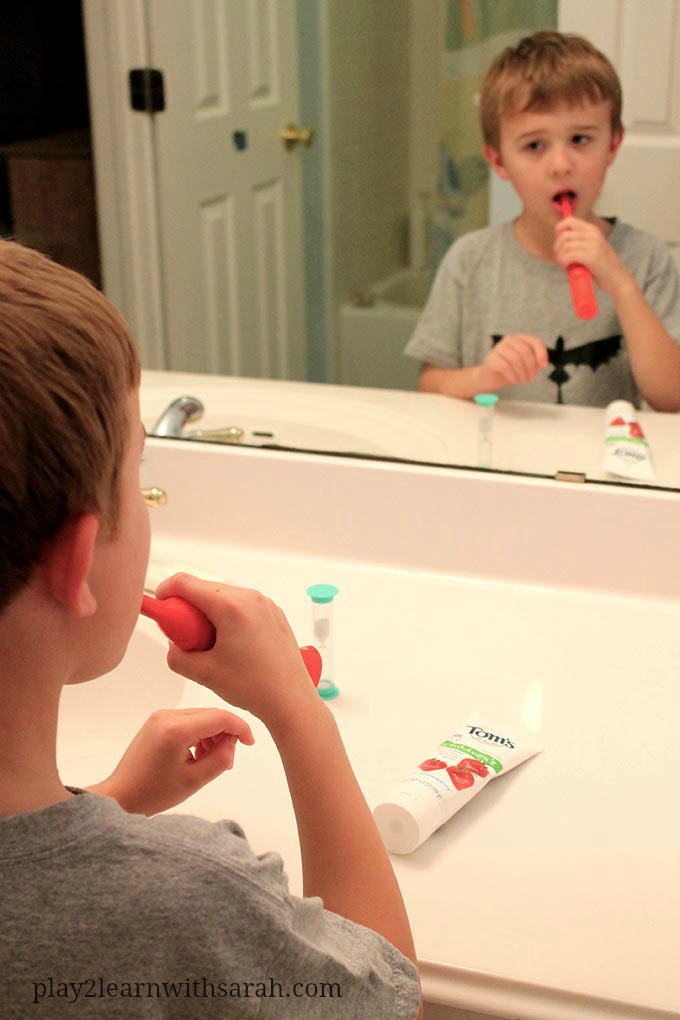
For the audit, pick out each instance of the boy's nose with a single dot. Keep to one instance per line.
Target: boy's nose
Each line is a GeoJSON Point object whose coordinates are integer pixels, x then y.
{"type": "Point", "coordinates": [560, 159]}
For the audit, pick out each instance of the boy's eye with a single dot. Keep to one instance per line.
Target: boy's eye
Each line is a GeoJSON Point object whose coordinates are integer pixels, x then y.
{"type": "Point", "coordinates": [534, 146]}
{"type": "Point", "coordinates": [580, 139]}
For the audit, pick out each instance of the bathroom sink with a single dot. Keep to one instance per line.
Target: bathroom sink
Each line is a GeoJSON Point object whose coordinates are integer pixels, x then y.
{"type": "Point", "coordinates": [303, 416]}
{"type": "Point", "coordinates": [97, 720]}
{"type": "Point", "coordinates": [348, 429]}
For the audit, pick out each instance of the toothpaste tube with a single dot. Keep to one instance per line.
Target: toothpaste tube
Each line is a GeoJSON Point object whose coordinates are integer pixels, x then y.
{"type": "Point", "coordinates": [626, 451]}
{"type": "Point", "coordinates": [443, 783]}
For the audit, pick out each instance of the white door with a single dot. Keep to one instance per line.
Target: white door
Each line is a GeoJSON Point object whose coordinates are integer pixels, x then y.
{"type": "Point", "coordinates": [229, 191]}
{"type": "Point", "coordinates": [200, 206]}
{"type": "Point", "coordinates": [642, 40]}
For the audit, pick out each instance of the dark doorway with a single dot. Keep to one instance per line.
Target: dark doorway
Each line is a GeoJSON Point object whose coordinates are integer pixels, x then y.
{"type": "Point", "coordinates": [47, 194]}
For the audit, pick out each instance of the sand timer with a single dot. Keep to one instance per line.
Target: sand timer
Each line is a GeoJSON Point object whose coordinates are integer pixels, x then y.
{"type": "Point", "coordinates": [322, 596]}
{"type": "Point", "coordinates": [486, 403]}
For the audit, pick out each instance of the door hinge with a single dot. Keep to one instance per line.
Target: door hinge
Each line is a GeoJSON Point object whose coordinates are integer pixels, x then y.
{"type": "Point", "coordinates": [147, 92]}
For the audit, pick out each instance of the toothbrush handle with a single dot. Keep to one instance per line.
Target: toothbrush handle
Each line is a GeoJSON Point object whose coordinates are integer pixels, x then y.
{"type": "Point", "coordinates": [184, 624]}
{"type": "Point", "coordinates": [580, 279]}
{"type": "Point", "coordinates": [582, 291]}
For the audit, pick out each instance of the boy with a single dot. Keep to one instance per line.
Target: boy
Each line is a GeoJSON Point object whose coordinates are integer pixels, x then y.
{"type": "Point", "coordinates": [499, 316]}
{"type": "Point", "coordinates": [102, 905]}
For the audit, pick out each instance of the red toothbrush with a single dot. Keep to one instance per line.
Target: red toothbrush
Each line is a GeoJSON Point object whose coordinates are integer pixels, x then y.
{"type": "Point", "coordinates": [192, 631]}
{"type": "Point", "coordinates": [580, 279]}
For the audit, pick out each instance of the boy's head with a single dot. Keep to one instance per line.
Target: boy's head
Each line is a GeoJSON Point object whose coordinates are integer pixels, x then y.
{"type": "Point", "coordinates": [67, 367]}
{"type": "Point", "coordinates": [541, 72]}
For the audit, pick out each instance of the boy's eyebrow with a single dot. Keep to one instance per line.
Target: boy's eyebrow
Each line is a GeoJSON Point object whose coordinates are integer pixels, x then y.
{"type": "Point", "coordinates": [531, 134]}
{"type": "Point", "coordinates": [534, 133]}
{"type": "Point", "coordinates": [586, 127]}
{"type": "Point", "coordinates": [538, 131]}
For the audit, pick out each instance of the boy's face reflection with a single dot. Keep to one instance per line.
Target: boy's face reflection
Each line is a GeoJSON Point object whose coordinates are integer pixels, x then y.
{"type": "Point", "coordinates": [545, 153]}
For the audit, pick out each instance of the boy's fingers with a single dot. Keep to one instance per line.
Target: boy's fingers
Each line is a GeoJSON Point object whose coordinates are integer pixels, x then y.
{"type": "Point", "coordinates": [192, 665]}
{"type": "Point", "coordinates": [536, 345]}
{"type": "Point", "coordinates": [210, 723]}
{"type": "Point", "coordinates": [222, 602]}
{"type": "Point", "coordinates": [513, 361]}
{"type": "Point", "coordinates": [525, 359]}
{"type": "Point", "coordinates": [195, 590]}
{"type": "Point", "coordinates": [235, 727]}
{"type": "Point", "coordinates": [211, 762]}
{"type": "Point", "coordinates": [535, 354]}
{"type": "Point", "coordinates": [530, 349]}
{"type": "Point", "coordinates": [223, 745]}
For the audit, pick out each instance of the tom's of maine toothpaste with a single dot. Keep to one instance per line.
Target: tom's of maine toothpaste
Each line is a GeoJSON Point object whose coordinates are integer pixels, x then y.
{"type": "Point", "coordinates": [626, 451]}
{"type": "Point", "coordinates": [443, 783]}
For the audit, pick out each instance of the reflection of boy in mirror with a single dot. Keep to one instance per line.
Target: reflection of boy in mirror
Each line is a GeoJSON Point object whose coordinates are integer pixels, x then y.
{"type": "Point", "coordinates": [499, 315]}
{"type": "Point", "coordinates": [90, 884]}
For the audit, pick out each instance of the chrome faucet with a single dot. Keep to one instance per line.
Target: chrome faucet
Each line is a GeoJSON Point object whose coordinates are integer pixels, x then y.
{"type": "Point", "coordinates": [186, 409]}
{"type": "Point", "coordinates": [176, 415]}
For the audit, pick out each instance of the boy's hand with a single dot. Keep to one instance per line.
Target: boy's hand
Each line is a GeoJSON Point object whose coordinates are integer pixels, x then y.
{"type": "Point", "coordinates": [255, 663]}
{"type": "Point", "coordinates": [577, 241]}
{"type": "Point", "coordinates": [517, 358]}
{"type": "Point", "coordinates": [159, 770]}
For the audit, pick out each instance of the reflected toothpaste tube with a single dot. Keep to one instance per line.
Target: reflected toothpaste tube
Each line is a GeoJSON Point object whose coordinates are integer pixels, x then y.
{"type": "Point", "coordinates": [442, 784]}
{"type": "Point", "coordinates": [626, 451]}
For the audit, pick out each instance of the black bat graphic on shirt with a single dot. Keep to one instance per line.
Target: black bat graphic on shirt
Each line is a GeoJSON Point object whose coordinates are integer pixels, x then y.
{"type": "Point", "coordinates": [593, 354]}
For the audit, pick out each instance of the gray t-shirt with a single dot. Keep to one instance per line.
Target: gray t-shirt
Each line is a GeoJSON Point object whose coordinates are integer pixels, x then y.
{"type": "Point", "coordinates": [106, 914]}
{"type": "Point", "coordinates": [489, 286]}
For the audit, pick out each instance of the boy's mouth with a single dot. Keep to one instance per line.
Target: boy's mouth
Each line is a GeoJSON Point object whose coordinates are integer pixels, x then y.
{"type": "Point", "coordinates": [564, 193]}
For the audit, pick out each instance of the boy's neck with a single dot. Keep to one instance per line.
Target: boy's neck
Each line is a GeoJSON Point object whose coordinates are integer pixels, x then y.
{"type": "Point", "coordinates": [18, 797]}
{"type": "Point", "coordinates": [534, 238]}
{"type": "Point", "coordinates": [29, 706]}
{"type": "Point", "coordinates": [29, 775]}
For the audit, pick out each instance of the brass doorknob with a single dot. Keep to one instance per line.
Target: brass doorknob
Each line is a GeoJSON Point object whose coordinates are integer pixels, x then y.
{"type": "Point", "coordinates": [293, 135]}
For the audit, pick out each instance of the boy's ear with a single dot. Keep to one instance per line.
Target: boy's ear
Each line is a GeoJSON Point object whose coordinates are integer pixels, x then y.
{"type": "Point", "coordinates": [67, 562]}
{"type": "Point", "coordinates": [495, 161]}
{"type": "Point", "coordinates": [615, 145]}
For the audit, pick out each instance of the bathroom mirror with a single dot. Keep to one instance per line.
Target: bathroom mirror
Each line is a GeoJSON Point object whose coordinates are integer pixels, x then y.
{"type": "Point", "coordinates": [393, 175]}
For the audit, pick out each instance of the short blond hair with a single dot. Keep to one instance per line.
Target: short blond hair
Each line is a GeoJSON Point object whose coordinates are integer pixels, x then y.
{"type": "Point", "coordinates": [542, 71]}
{"type": "Point", "coordinates": [67, 366]}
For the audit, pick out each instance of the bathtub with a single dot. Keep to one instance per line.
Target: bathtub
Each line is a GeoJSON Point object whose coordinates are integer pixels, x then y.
{"type": "Point", "coordinates": [375, 325]}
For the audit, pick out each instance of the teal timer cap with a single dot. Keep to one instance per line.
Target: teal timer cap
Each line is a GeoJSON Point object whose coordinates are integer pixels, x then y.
{"type": "Point", "coordinates": [322, 593]}
{"type": "Point", "coordinates": [486, 399]}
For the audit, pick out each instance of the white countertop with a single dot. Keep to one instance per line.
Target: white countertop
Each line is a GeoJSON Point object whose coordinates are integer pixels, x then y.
{"type": "Point", "coordinates": [561, 876]}
{"type": "Point", "coordinates": [528, 437]}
